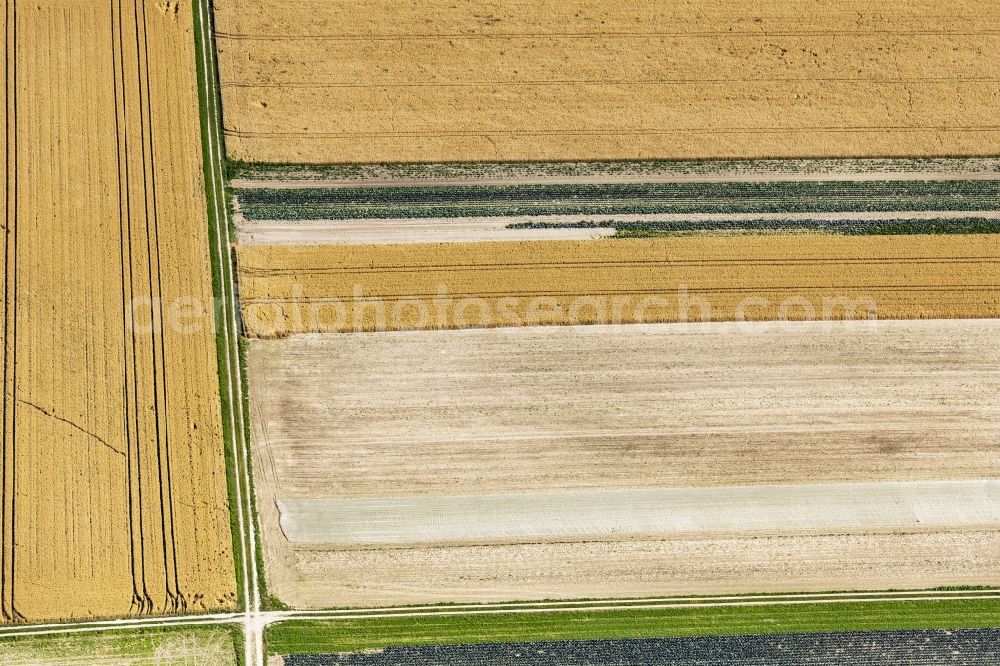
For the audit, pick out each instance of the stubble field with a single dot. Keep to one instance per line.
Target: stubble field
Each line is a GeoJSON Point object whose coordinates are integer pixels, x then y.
{"type": "Point", "coordinates": [356, 433]}
{"type": "Point", "coordinates": [114, 489]}
{"type": "Point", "coordinates": [329, 81]}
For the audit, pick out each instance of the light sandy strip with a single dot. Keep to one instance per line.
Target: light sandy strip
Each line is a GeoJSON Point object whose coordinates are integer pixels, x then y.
{"type": "Point", "coordinates": [368, 232]}
{"type": "Point", "coordinates": [471, 229]}
{"type": "Point", "coordinates": [987, 173]}
{"type": "Point", "coordinates": [813, 508]}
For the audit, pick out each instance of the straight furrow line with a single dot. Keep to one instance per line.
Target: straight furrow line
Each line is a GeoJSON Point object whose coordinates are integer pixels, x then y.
{"type": "Point", "coordinates": [144, 604]}
{"type": "Point", "coordinates": [600, 34]}
{"type": "Point", "coordinates": [7, 581]}
{"type": "Point", "coordinates": [602, 82]}
{"type": "Point", "coordinates": [174, 597]}
{"type": "Point", "coordinates": [247, 134]}
{"type": "Point", "coordinates": [128, 343]}
{"type": "Point", "coordinates": [666, 263]}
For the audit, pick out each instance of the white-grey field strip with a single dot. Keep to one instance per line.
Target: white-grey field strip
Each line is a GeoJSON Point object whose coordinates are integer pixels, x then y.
{"type": "Point", "coordinates": [812, 508]}
{"type": "Point", "coordinates": [473, 229]}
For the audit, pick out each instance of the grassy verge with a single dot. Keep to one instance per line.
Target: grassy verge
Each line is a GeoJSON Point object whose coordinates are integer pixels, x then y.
{"type": "Point", "coordinates": [317, 637]}
{"type": "Point", "coordinates": [238, 641]}
{"type": "Point", "coordinates": [221, 342]}
{"type": "Point", "coordinates": [219, 231]}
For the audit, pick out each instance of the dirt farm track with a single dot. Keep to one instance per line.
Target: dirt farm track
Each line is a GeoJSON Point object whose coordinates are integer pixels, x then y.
{"type": "Point", "coordinates": [114, 491]}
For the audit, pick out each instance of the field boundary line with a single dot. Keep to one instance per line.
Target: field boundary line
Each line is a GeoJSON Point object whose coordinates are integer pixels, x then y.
{"type": "Point", "coordinates": [210, 112]}
{"type": "Point", "coordinates": [270, 618]}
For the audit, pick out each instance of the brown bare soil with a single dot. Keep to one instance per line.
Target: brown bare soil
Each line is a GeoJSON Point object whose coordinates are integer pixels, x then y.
{"type": "Point", "coordinates": [383, 81]}
{"type": "Point", "coordinates": [523, 410]}
{"type": "Point", "coordinates": [321, 578]}
{"type": "Point", "coordinates": [114, 496]}
{"type": "Point", "coordinates": [292, 289]}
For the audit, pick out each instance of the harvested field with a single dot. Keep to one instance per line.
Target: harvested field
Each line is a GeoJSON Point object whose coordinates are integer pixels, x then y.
{"type": "Point", "coordinates": [440, 414]}
{"type": "Point", "coordinates": [376, 81]}
{"type": "Point", "coordinates": [291, 289]}
{"type": "Point", "coordinates": [114, 497]}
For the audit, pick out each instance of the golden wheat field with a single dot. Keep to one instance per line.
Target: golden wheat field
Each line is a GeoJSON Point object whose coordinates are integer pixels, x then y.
{"type": "Point", "coordinates": [438, 80]}
{"type": "Point", "coordinates": [114, 495]}
{"type": "Point", "coordinates": [292, 289]}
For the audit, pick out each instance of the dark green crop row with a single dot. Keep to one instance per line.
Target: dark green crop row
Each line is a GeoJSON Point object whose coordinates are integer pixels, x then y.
{"type": "Point", "coordinates": [529, 170]}
{"type": "Point", "coordinates": [837, 227]}
{"type": "Point", "coordinates": [616, 199]}
{"type": "Point", "coordinates": [352, 635]}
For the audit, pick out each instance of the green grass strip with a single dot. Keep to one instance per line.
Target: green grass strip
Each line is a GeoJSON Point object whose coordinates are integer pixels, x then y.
{"type": "Point", "coordinates": [146, 645]}
{"type": "Point", "coordinates": [319, 637]}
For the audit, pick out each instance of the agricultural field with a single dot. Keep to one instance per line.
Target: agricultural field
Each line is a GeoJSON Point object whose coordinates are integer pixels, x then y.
{"type": "Point", "coordinates": [288, 289]}
{"type": "Point", "coordinates": [603, 461]}
{"type": "Point", "coordinates": [321, 81]}
{"type": "Point", "coordinates": [187, 646]}
{"type": "Point", "coordinates": [578, 300]}
{"type": "Point", "coordinates": [613, 200]}
{"type": "Point", "coordinates": [962, 625]}
{"type": "Point", "coordinates": [296, 212]}
{"type": "Point", "coordinates": [255, 174]}
{"type": "Point", "coordinates": [968, 647]}
{"type": "Point", "coordinates": [114, 483]}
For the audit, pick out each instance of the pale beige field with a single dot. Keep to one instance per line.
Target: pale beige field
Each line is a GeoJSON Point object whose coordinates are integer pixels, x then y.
{"type": "Point", "coordinates": [114, 497]}
{"type": "Point", "coordinates": [177, 647]}
{"type": "Point", "coordinates": [320, 578]}
{"type": "Point", "coordinates": [528, 410]}
{"type": "Point", "coordinates": [326, 81]}
{"type": "Point", "coordinates": [326, 288]}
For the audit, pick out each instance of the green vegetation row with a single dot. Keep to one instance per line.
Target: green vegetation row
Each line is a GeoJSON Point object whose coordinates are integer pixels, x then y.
{"type": "Point", "coordinates": [527, 170]}
{"type": "Point", "coordinates": [320, 637]}
{"type": "Point", "coordinates": [617, 199]}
